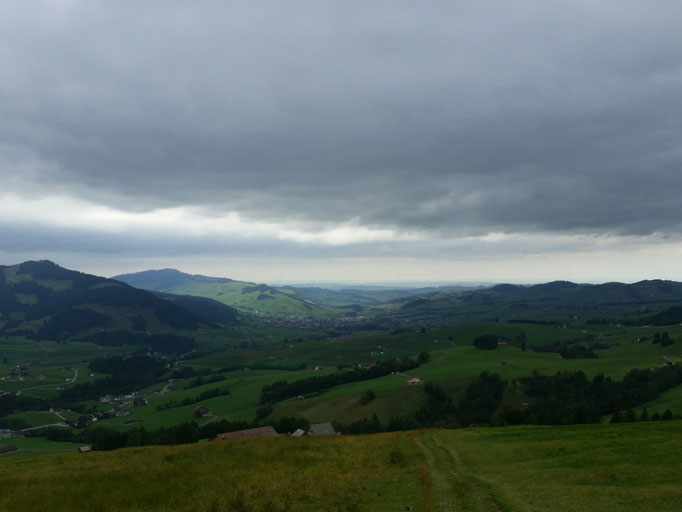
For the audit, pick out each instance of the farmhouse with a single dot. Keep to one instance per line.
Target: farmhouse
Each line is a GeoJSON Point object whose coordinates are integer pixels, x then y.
{"type": "Point", "coordinates": [248, 433]}
{"type": "Point", "coordinates": [200, 410]}
{"type": "Point", "coordinates": [84, 449]}
{"type": "Point", "coordinates": [321, 429]}
{"type": "Point", "coordinates": [414, 380]}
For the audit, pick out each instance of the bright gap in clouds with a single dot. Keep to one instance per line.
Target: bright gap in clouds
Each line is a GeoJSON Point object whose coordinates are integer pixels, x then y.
{"type": "Point", "coordinates": [192, 240]}
{"type": "Point", "coordinates": [192, 222]}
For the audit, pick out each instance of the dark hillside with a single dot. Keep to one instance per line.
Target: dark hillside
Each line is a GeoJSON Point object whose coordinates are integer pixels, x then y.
{"type": "Point", "coordinates": [45, 301]}
{"type": "Point", "coordinates": [549, 301]}
{"type": "Point", "coordinates": [208, 310]}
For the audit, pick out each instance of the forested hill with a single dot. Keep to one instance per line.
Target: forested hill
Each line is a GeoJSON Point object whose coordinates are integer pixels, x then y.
{"type": "Point", "coordinates": [41, 300]}
{"type": "Point", "coordinates": [557, 299]}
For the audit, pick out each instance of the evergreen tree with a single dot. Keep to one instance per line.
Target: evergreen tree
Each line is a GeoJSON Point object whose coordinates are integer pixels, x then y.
{"type": "Point", "coordinates": [667, 415]}
{"type": "Point", "coordinates": [644, 416]}
{"type": "Point", "coordinates": [423, 357]}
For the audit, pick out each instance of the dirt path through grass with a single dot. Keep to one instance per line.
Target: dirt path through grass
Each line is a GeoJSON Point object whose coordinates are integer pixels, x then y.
{"type": "Point", "coordinates": [454, 490]}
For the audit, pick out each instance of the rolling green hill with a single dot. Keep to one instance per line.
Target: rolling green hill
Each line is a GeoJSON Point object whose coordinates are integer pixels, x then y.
{"type": "Point", "coordinates": [366, 295]}
{"type": "Point", "coordinates": [252, 298]}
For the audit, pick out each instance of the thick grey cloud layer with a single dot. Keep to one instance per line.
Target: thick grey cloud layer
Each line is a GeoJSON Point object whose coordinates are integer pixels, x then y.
{"type": "Point", "coordinates": [451, 117]}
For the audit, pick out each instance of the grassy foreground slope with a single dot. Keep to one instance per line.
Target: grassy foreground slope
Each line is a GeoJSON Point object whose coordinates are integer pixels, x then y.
{"type": "Point", "coordinates": [576, 468]}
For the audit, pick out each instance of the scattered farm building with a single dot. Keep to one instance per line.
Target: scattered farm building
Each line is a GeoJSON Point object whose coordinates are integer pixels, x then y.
{"type": "Point", "coordinates": [414, 380]}
{"type": "Point", "coordinates": [6, 448]}
{"type": "Point", "coordinates": [321, 429]}
{"type": "Point", "coordinates": [298, 433]}
{"type": "Point", "coordinates": [84, 449]}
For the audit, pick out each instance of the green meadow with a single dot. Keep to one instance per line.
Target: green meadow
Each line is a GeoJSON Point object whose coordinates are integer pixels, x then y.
{"type": "Point", "coordinates": [453, 364]}
{"type": "Point", "coordinates": [623, 467]}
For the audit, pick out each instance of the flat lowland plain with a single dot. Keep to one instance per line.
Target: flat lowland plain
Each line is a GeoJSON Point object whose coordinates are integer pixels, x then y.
{"type": "Point", "coordinates": [574, 468]}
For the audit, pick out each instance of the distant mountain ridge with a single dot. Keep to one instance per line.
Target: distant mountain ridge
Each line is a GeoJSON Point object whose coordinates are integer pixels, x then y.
{"type": "Point", "coordinates": [164, 279]}
{"type": "Point", "coordinates": [551, 300]}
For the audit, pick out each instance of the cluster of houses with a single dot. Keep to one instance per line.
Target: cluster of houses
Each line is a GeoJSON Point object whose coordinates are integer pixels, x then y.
{"type": "Point", "coordinates": [6, 433]}
{"type": "Point", "coordinates": [137, 399]}
{"type": "Point", "coordinates": [17, 374]}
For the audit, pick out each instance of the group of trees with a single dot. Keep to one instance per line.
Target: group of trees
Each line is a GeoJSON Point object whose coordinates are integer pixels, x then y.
{"type": "Point", "coordinates": [164, 343]}
{"type": "Point", "coordinates": [570, 397]}
{"type": "Point", "coordinates": [477, 406]}
{"type": "Point", "coordinates": [127, 375]}
{"type": "Point", "coordinates": [189, 400]}
{"type": "Point", "coordinates": [570, 349]}
{"type": "Point", "coordinates": [486, 342]}
{"type": "Point", "coordinates": [201, 381]}
{"type": "Point", "coordinates": [664, 339]}
{"type": "Point", "coordinates": [563, 398]}
{"type": "Point", "coordinates": [281, 390]}
{"type": "Point", "coordinates": [630, 416]}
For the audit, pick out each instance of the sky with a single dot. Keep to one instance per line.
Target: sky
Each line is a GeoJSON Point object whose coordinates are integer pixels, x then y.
{"type": "Point", "coordinates": [344, 141]}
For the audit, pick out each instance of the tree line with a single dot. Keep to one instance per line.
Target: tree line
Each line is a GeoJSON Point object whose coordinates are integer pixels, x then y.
{"type": "Point", "coordinates": [281, 390]}
{"type": "Point", "coordinates": [559, 399]}
{"type": "Point", "coordinates": [189, 400]}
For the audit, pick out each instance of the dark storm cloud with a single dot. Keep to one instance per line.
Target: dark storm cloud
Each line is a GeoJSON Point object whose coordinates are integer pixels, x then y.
{"type": "Point", "coordinates": [454, 117]}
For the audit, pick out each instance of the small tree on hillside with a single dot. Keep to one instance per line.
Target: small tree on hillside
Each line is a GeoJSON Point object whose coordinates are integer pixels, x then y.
{"type": "Point", "coordinates": [486, 342]}
{"type": "Point", "coordinates": [367, 397]}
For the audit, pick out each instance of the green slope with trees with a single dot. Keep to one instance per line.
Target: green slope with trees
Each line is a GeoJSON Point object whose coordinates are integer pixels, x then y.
{"type": "Point", "coordinates": [251, 298]}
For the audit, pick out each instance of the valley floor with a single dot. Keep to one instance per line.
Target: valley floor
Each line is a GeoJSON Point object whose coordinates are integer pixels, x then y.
{"type": "Point", "coordinates": [575, 468]}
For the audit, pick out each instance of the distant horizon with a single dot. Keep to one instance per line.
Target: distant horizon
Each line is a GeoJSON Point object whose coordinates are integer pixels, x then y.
{"type": "Point", "coordinates": [331, 284]}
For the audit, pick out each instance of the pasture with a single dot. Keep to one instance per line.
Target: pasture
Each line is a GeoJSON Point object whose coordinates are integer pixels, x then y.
{"type": "Point", "coordinates": [515, 469]}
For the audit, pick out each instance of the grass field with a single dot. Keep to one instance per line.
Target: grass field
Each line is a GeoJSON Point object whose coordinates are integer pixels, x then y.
{"type": "Point", "coordinates": [30, 446]}
{"type": "Point", "coordinates": [624, 467]}
{"type": "Point", "coordinates": [670, 399]}
{"type": "Point", "coordinates": [581, 468]}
